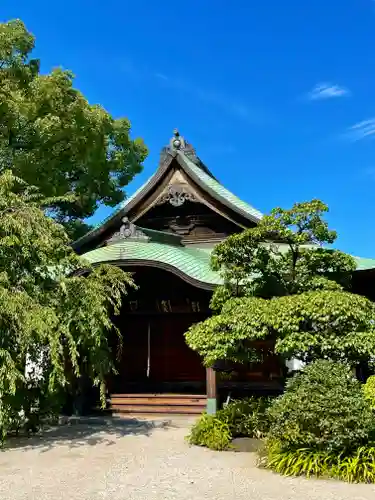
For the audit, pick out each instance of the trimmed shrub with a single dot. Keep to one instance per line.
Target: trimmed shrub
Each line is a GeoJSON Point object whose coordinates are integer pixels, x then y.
{"type": "Point", "coordinates": [241, 418]}
{"type": "Point", "coordinates": [356, 467]}
{"type": "Point", "coordinates": [369, 391]}
{"type": "Point", "coordinates": [324, 409]}
{"type": "Point", "coordinates": [246, 417]}
{"type": "Point", "coordinates": [211, 432]}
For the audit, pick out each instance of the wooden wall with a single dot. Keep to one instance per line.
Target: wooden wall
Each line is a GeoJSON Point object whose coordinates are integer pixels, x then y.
{"type": "Point", "coordinates": [152, 323]}
{"type": "Point", "coordinates": [193, 221]}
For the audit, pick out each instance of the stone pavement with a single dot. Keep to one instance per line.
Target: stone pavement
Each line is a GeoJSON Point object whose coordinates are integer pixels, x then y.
{"type": "Point", "coordinates": [144, 460]}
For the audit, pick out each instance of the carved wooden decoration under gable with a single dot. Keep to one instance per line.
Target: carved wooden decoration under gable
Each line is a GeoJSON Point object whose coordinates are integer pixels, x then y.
{"type": "Point", "coordinates": [128, 231]}
{"type": "Point", "coordinates": [181, 225]}
{"type": "Point", "coordinates": [176, 194]}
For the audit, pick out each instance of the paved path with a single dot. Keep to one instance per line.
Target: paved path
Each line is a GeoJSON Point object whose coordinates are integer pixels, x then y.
{"type": "Point", "coordinates": [138, 462]}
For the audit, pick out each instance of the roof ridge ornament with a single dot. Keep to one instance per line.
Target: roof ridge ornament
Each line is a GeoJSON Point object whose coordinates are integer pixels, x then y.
{"type": "Point", "coordinates": [128, 231]}
{"type": "Point", "coordinates": [177, 142]}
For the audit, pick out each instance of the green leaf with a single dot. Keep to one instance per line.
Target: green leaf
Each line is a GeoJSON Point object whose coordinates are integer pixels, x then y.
{"type": "Point", "coordinates": [76, 153]}
{"type": "Point", "coordinates": [48, 314]}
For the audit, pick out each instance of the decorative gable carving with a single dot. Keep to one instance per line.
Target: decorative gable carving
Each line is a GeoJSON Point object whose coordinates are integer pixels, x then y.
{"type": "Point", "coordinates": [176, 194]}
{"type": "Point", "coordinates": [177, 191]}
{"type": "Point", "coordinates": [128, 231]}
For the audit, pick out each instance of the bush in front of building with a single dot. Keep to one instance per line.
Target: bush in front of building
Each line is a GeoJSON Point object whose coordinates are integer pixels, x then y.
{"type": "Point", "coordinates": [247, 417]}
{"type": "Point", "coordinates": [322, 426]}
{"type": "Point", "coordinates": [240, 418]}
{"type": "Point", "coordinates": [369, 391]}
{"type": "Point", "coordinates": [357, 466]}
{"type": "Point", "coordinates": [209, 431]}
{"type": "Point", "coordinates": [323, 408]}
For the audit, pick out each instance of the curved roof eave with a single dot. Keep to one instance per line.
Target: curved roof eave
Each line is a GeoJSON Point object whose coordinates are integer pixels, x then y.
{"type": "Point", "coordinates": [160, 265]}
{"type": "Point", "coordinates": [192, 265]}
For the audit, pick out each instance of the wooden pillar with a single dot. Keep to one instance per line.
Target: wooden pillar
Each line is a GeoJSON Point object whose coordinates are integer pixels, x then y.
{"type": "Point", "coordinates": [211, 391]}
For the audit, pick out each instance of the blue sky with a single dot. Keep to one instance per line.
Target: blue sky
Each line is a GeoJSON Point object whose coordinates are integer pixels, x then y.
{"type": "Point", "coordinates": [277, 97]}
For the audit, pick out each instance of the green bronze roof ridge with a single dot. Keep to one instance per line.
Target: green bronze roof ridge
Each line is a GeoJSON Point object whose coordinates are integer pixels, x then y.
{"type": "Point", "coordinates": [117, 211]}
{"type": "Point", "coordinates": [204, 178]}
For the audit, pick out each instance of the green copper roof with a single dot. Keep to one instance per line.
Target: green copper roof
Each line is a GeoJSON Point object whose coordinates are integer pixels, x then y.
{"type": "Point", "coordinates": [164, 249]}
{"type": "Point", "coordinates": [219, 190]}
{"type": "Point", "coordinates": [200, 174]}
{"type": "Point", "coordinates": [121, 207]}
{"type": "Point", "coordinates": [193, 263]}
{"type": "Point", "coordinates": [364, 264]}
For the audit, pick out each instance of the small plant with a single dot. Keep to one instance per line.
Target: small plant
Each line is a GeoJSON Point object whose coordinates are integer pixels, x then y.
{"type": "Point", "coordinates": [241, 418]}
{"type": "Point", "coordinates": [356, 467]}
{"type": "Point", "coordinates": [302, 461]}
{"type": "Point", "coordinates": [211, 432]}
{"type": "Point", "coordinates": [369, 391]}
{"type": "Point", "coordinates": [246, 417]}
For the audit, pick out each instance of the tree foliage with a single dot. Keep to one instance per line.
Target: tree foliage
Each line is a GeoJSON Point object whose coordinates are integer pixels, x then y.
{"type": "Point", "coordinates": [49, 315]}
{"type": "Point", "coordinates": [369, 391]}
{"type": "Point", "coordinates": [282, 284]}
{"type": "Point", "coordinates": [51, 137]}
{"type": "Point", "coordinates": [231, 334]}
{"type": "Point", "coordinates": [327, 324]}
{"type": "Point", "coordinates": [283, 255]}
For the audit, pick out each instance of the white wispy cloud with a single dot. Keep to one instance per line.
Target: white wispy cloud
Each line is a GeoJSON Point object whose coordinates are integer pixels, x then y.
{"type": "Point", "coordinates": [369, 172]}
{"type": "Point", "coordinates": [161, 76]}
{"type": "Point", "coordinates": [226, 103]}
{"type": "Point", "coordinates": [327, 91]}
{"type": "Point", "coordinates": [361, 130]}
{"type": "Point", "coordinates": [229, 105]}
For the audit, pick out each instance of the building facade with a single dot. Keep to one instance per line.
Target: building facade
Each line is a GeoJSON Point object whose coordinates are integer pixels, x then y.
{"type": "Point", "coordinates": [165, 234]}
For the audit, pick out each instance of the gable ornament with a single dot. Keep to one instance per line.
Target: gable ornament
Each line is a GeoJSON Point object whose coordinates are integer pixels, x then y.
{"type": "Point", "coordinates": [128, 231]}
{"type": "Point", "coordinates": [176, 195]}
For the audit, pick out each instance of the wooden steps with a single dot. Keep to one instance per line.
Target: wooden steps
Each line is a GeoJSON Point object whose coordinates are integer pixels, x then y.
{"type": "Point", "coordinates": [147, 404]}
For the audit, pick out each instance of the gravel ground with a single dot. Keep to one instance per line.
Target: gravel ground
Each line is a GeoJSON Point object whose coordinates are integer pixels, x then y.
{"type": "Point", "coordinates": [136, 461]}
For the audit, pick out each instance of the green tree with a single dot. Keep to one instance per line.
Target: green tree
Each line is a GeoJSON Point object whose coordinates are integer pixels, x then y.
{"type": "Point", "coordinates": [327, 324]}
{"type": "Point", "coordinates": [50, 136]}
{"type": "Point", "coordinates": [283, 255]}
{"type": "Point", "coordinates": [49, 313]}
{"type": "Point", "coordinates": [281, 284]}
